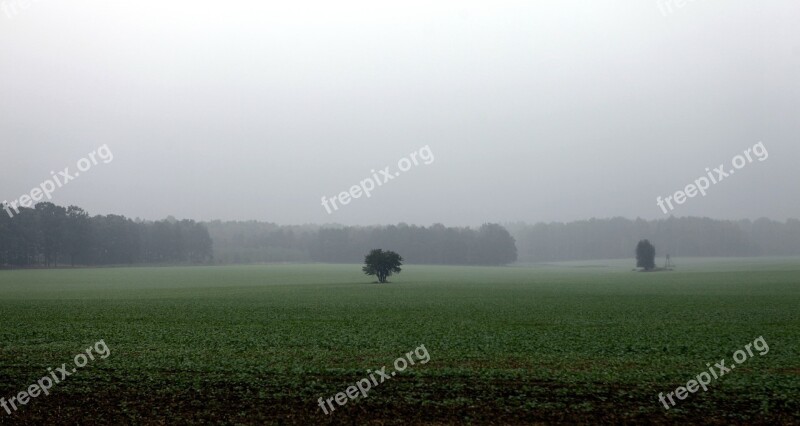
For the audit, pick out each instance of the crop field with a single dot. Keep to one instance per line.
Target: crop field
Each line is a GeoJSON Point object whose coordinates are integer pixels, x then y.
{"type": "Point", "coordinates": [579, 342]}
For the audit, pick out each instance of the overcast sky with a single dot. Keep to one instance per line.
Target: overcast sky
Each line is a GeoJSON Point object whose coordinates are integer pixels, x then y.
{"type": "Point", "coordinates": [533, 110]}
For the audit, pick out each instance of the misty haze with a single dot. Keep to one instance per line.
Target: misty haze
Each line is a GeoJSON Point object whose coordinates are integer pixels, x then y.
{"type": "Point", "coordinates": [507, 212]}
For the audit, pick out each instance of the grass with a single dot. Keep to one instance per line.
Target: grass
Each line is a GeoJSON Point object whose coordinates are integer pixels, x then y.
{"type": "Point", "coordinates": [573, 342]}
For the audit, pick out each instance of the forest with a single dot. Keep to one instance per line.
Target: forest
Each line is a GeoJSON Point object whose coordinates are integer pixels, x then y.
{"type": "Point", "coordinates": [48, 235]}
{"type": "Point", "coordinates": [680, 237]}
{"type": "Point", "coordinates": [256, 242]}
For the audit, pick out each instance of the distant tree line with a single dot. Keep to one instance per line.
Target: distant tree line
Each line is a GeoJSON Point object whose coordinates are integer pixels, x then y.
{"type": "Point", "coordinates": [679, 237]}
{"type": "Point", "coordinates": [255, 242]}
{"type": "Point", "coordinates": [50, 235]}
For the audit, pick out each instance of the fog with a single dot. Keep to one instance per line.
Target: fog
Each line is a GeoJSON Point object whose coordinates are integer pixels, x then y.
{"type": "Point", "coordinates": [531, 111]}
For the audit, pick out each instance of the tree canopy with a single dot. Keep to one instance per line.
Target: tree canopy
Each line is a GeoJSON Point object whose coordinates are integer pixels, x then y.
{"type": "Point", "coordinates": [645, 255]}
{"type": "Point", "coordinates": [382, 264]}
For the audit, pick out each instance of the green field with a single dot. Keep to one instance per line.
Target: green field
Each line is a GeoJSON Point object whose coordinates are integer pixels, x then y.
{"type": "Point", "coordinates": [573, 342]}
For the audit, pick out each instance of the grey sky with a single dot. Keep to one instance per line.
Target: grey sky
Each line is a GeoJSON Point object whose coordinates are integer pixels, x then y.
{"type": "Point", "coordinates": [535, 110]}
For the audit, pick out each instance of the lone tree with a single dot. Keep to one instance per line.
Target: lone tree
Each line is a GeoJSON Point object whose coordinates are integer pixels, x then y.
{"type": "Point", "coordinates": [382, 264]}
{"type": "Point", "coordinates": [645, 255]}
